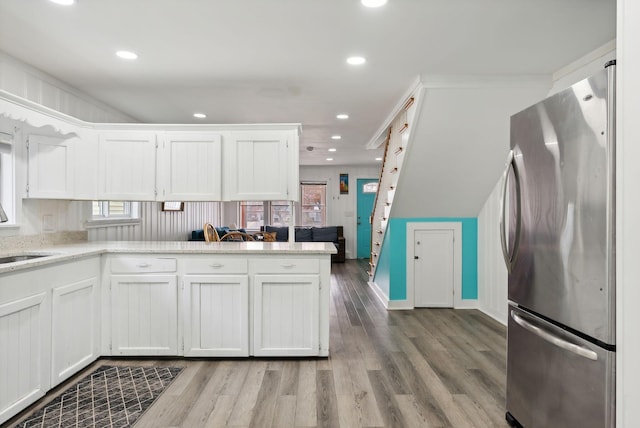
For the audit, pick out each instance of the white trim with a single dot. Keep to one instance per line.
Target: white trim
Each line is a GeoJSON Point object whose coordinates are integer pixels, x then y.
{"type": "Point", "coordinates": [585, 60]}
{"type": "Point", "coordinates": [378, 138]}
{"type": "Point", "coordinates": [437, 81]}
{"type": "Point", "coordinates": [22, 109]}
{"type": "Point", "coordinates": [412, 228]}
{"type": "Point", "coordinates": [108, 222]}
{"type": "Point", "coordinates": [379, 294]}
{"type": "Point", "coordinates": [390, 305]}
{"type": "Point", "coordinates": [494, 316]}
{"type": "Point", "coordinates": [399, 305]}
{"type": "Point", "coordinates": [467, 304]}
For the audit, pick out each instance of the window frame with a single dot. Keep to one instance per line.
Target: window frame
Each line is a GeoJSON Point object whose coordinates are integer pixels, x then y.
{"type": "Point", "coordinates": [104, 218]}
{"type": "Point", "coordinates": [323, 208]}
{"type": "Point", "coordinates": [8, 180]}
{"type": "Point", "coordinates": [268, 213]}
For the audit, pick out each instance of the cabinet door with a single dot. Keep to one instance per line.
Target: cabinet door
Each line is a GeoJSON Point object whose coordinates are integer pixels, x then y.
{"type": "Point", "coordinates": [75, 328]}
{"type": "Point", "coordinates": [216, 315]}
{"type": "Point", "coordinates": [190, 167]}
{"type": "Point", "coordinates": [24, 345]}
{"type": "Point", "coordinates": [285, 317]}
{"type": "Point", "coordinates": [50, 167]}
{"type": "Point", "coordinates": [127, 166]}
{"type": "Point", "coordinates": [144, 315]}
{"type": "Point", "coordinates": [257, 166]}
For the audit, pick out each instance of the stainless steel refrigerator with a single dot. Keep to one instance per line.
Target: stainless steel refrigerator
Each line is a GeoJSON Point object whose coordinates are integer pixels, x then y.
{"type": "Point", "coordinates": [558, 240]}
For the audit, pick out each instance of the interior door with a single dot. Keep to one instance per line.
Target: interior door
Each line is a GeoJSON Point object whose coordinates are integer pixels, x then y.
{"type": "Point", "coordinates": [434, 268]}
{"type": "Point", "coordinates": [365, 198]}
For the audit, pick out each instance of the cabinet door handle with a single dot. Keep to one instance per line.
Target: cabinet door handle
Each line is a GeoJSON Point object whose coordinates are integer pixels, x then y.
{"type": "Point", "coordinates": [288, 265]}
{"type": "Point", "coordinates": [143, 265]}
{"type": "Point", "coordinates": [216, 265]}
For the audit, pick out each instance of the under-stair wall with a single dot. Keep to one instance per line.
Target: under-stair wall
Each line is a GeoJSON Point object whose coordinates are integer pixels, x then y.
{"type": "Point", "coordinates": [458, 144]}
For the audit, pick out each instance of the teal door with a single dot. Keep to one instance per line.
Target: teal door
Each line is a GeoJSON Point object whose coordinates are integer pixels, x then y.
{"type": "Point", "coordinates": [367, 188]}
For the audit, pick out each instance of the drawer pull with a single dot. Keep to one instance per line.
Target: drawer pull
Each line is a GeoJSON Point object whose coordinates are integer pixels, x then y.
{"type": "Point", "coordinates": [216, 265]}
{"type": "Point", "coordinates": [143, 265]}
{"type": "Point", "coordinates": [288, 265]}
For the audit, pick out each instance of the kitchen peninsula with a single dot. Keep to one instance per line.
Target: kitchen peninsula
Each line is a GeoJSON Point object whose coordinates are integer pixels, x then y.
{"type": "Point", "coordinates": [191, 299]}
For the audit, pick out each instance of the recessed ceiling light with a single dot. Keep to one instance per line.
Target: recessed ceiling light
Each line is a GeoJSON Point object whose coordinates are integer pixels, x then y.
{"type": "Point", "coordinates": [332, 149]}
{"type": "Point", "coordinates": [199, 115]}
{"type": "Point", "coordinates": [127, 55]}
{"type": "Point", "coordinates": [64, 2]}
{"type": "Point", "coordinates": [329, 159]}
{"type": "Point", "coordinates": [356, 60]}
{"type": "Point", "coordinates": [336, 137]}
{"type": "Point", "coordinates": [378, 159]}
{"type": "Point", "coordinates": [373, 3]}
{"type": "Point", "coordinates": [343, 116]}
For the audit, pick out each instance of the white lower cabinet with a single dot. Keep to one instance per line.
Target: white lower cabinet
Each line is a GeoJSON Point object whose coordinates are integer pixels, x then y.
{"type": "Point", "coordinates": [216, 309]}
{"type": "Point", "coordinates": [24, 353]}
{"type": "Point", "coordinates": [49, 321]}
{"type": "Point", "coordinates": [286, 315]}
{"type": "Point", "coordinates": [144, 315]}
{"type": "Point", "coordinates": [75, 328]}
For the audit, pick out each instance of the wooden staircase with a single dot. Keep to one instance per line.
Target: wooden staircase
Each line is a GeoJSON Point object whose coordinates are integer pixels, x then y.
{"type": "Point", "coordinates": [394, 152]}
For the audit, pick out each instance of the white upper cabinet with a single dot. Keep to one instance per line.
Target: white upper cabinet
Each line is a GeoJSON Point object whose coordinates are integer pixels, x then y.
{"type": "Point", "coordinates": [259, 166]}
{"type": "Point", "coordinates": [127, 166]}
{"type": "Point", "coordinates": [189, 167]}
{"type": "Point", "coordinates": [51, 162]}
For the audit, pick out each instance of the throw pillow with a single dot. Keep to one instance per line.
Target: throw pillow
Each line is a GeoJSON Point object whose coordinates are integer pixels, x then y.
{"type": "Point", "coordinates": [269, 236]}
{"type": "Point", "coordinates": [282, 233]}
{"type": "Point", "coordinates": [325, 234]}
{"type": "Point", "coordinates": [303, 234]}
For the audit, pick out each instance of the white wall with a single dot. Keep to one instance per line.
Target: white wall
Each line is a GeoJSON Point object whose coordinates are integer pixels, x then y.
{"type": "Point", "coordinates": [492, 272]}
{"type": "Point", "coordinates": [628, 215]}
{"type": "Point", "coordinates": [341, 209]}
{"type": "Point", "coordinates": [158, 225]}
{"type": "Point", "coordinates": [28, 82]}
{"type": "Point", "coordinates": [460, 141]}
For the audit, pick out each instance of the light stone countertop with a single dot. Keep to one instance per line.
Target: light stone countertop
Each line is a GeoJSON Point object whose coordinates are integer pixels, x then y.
{"type": "Point", "coordinates": [60, 253]}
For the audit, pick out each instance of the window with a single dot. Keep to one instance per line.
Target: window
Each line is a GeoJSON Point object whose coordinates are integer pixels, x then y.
{"type": "Point", "coordinates": [254, 214]}
{"type": "Point", "coordinates": [7, 198]}
{"type": "Point", "coordinates": [314, 204]}
{"type": "Point", "coordinates": [280, 213]}
{"type": "Point", "coordinates": [114, 210]}
{"type": "Point", "coordinates": [370, 187]}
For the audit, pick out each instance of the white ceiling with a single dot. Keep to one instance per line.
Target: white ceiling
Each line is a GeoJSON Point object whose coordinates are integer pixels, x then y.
{"type": "Point", "coordinates": [284, 60]}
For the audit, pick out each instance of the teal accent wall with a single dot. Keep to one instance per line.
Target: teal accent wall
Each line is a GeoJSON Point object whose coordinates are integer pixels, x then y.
{"type": "Point", "coordinates": [391, 275]}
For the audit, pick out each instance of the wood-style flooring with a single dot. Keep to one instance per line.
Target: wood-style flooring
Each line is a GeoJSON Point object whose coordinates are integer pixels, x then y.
{"type": "Point", "coordinates": [418, 368]}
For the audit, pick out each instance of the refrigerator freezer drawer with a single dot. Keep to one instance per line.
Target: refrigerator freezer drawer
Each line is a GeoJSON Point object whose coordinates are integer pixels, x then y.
{"type": "Point", "coordinates": [556, 379]}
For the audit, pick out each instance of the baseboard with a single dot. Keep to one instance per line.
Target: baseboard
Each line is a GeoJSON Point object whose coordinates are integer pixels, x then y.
{"type": "Point", "coordinates": [391, 305]}
{"type": "Point", "coordinates": [494, 316]}
{"type": "Point", "coordinates": [466, 304]}
{"type": "Point", "coordinates": [379, 294]}
{"type": "Point", "coordinates": [397, 305]}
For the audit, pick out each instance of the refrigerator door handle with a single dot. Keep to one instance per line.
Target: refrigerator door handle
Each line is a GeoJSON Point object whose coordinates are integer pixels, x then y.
{"type": "Point", "coordinates": [509, 259]}
{"type": "Point", "coordinates": [553, 339]}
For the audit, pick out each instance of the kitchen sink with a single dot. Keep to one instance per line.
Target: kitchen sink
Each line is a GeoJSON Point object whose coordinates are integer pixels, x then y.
{"type": "Point", "coordinates": [20, 258]}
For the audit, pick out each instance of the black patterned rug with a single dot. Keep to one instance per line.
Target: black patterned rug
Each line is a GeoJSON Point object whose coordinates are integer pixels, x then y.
{"type": "Point", "coordinates": [110, 397]}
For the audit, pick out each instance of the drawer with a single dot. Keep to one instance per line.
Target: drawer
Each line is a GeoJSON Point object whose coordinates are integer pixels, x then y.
{"type": "Point", "coordinates": [215, 265]}
{"type": "Point", "coordinates": [143, 264]}
{"type": "Point", "coordinates": [291, 265]}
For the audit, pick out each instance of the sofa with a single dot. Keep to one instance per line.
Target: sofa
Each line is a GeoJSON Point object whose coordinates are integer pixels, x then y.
{"type": "Point", "coordinates": [333, 234]}
{"type": "Point", "coordinates": [198, 234]}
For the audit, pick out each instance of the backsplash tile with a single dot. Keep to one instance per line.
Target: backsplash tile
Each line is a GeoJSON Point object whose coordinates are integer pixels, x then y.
{"type": "Point", "coordinates": [33, 242]}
